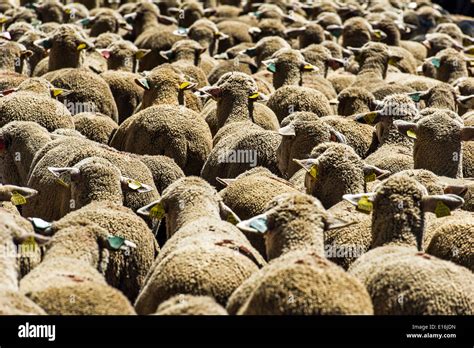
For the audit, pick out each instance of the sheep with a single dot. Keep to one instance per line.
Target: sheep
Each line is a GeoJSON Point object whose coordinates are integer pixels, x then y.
{"type": "Point", "coordinates": [191, 207]}
{"type": "Point", "coordinates": [105, 21]}
{"type": "Point", "coordinates": [13, 237]}
{"type": "Point", "coordinates": [28, 39]}
{"type": "Point", "coordinates": [97, 190]}
{"type": "Point", "coordinates": [442, 96]}
{"type": "Point", "coordinates": [449, 66]}
{"type": "Point", "coordinates": [436, 42]}
{"type": "Point", "coordinates": [300, 134]}
{"type": "Point", "coordinates": [190, 305]}
{"type": "Point", "coordinates": [167, 84]}
{"type": "Point", "coordinates": [443, 133]}
{"type": "Point", "coordinates": [306, 282]}
{"type": "Point", "coordinates": [236, 31]}
{"type": "Point", "coordinates": [12, 63]}
{"type": "Point", "coordinates": [236, 94]}
{"type": "Point", "coordinates": [96, 127]}
{"type": "Point", "coordinates": [265, 48]}
{"type": "Point", "coordinates": [394, 268]}
{"type": "Point", "coordinates": [105, 40]}
{"type": "Point", "coordinates": [357, 32]}
{"type": "Point", "coordinates": [355, 100]}
{"type": "Point", "coordinates": [150, 34]}
{"type": "Point", "coordinates": [18, 106]}
{"type": "Point", "coordinates": [182, 134]}
{"type": "Point", "coordinates": [248, 194]}
{"type": "Point", "coordinates": [23, 138]}
{"type": "Point", "coordinates": [394, 152]}
{"type": "Point", "coordinates": [67, 151]}
{"type": "Point", "coordinates": [164, 169]}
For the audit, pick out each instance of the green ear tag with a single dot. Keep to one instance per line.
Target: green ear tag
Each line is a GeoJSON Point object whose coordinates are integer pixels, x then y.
{"type": "Point", "coordinates": [18, 199]}
{"type": "Point", "coordinates": [271, 67]}
{"type": "Point", "coordinates": [416, 97]}
{"type": "Point", "coordinates": [436, 62]}
{"type": "Point", "coordinates": [61, 182]}
{"type": "Point", "coordinates": [260, 224]}
{"type": "Point", "coordinates": [370, 177]}
{"type": "Point", "coordinates": [314, 171]}
{"type": "Point", "coordinates": [157, 212]}
{"type": "Point", "coordinates": [364, 205]}
{"type": "Point", "coordinates": [336, 32]}
{"type": "Point", "coordinates": [231, 218]}
{"type": "Point", "coordinates": [442, 210]}
{"type": "Point", "coordinates": [116, 242]}
{"type": "Point", "coordinates": [411, 134]}
{"type": "Point", "coordinates": [134, 185]}
{"type": "Point", "coordinates": [370, 117]}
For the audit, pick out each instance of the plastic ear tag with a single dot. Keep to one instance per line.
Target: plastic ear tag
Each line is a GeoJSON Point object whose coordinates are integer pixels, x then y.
{"type": "Point", "coordinates": [116, 242]}
{"type": "Point", "coordinates": [436, 62]}
{"type": "Point", "coordinates": [30, 241]}
{"type": "Point", "coordinates": [313, 171]}
{"type": "Point", "coordinates": [411, 134]}
{"type": "Point", "coordinates": [81, 46]}
{"type": "Point", "coordinates": [442, 210]}
{"type": "Point", "coordinates": [392, 61]}
{"type": "Point", "coordinates": [271, 67]}
{"type": "Point", "coordinates": [134, 185]}
{"type": "Point", "coordinates": [336, 32]}
{"type": "Point", "coordinates": [308, 67]}
{"type": "Point", "coordinates": [40, 224]}
{"type": "Point", "coordinates": [416, 97]}
{"type": "Point", "coordinates": [139, 54]}
{"type": "Point", "coordinates": [254, 95]}
{"type": "Point", "coordinates": [231, 218]}
{"type": "Point", "coordinates": [365, 205]}
{"type": "Point", "coordinates": [370, 117]}
{"type": "Point", "coordinates": [157, 212]}
{"type": "Point", "coordinates": [57, 91]}
{"type": "Point", "coordinates": [17, 199]}
{"type": "Point", "coordinates": [370, 177]}
{"type": "Point", "coordinates": [259, 224]}
{"type": "Point", "coordinates": [184, 85]}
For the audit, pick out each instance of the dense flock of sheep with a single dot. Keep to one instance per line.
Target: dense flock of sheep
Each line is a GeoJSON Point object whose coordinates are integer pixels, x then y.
{"type": "Point", "coordinates": [236, 157]}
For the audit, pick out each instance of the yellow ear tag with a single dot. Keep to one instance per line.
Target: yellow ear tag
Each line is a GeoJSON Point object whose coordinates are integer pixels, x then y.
{"type": "Point", "coordinates": [57, 91]}
{"type": "Point", "coordinates": [254, 95]}
{"type": "Point", "coordinates": [411, 134]}
{"type": "Point", "coordinates": [442, 210]}
{"type": "Point", "coordinates": [364, 205]}
{"type": "Point", "coordinates": [157, 212]}
{"type": "Point", "coordinates": [184, 85]}
{"type": "Point", "coordinates": [308, 67]}
{"type": "Point", "coordinates": [139, 54]}
{"type": "Point", "coordinates": [314, 171]}
{"type": "Point", "coordinates": [17, 199]}
{"type": "Point", "coordinates": [134, 184]}
{"type": "Point", "coordinates": [370, 177]}
{"type": "Point", "coordinates": [81, 46]}
{"type": "Point", "coordinates": [392, 61]}
{"type": "Point", "coordinates": [62, 182]}
{"type": "Point", "coordinates": [370, 117]}
{"type": "Point", "coordinates": [28, 244]}
{"type": "Point", "coordinates": [231, 218]}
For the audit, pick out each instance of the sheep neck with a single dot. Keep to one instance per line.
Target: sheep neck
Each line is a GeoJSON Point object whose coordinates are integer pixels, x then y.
{"type": "Point", "coordinates": [148, 21]}
{"type": "Point", "coordinates": [60, 59]}
{"type": "Point", "coordinates": [234, 108]}
{"type": "Point", "coordinates": [190, 57]}
{"type": "Point", "coordinates": [391, 135]}
{"type": "Point", "coordinates": [374, 66]}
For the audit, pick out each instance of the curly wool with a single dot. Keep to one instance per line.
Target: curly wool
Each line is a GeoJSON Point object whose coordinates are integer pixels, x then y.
{"type": "Point", "coordinates": [95, 127]}
{"type": "Point", "coordinates": [190, 305]}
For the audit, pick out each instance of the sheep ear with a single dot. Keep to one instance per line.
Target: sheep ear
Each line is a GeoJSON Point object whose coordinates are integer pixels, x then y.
{"type": "Point", "coordinates": [337, 137]}
{"type": "Point", "coordinates": [417, 96]}
{"type": "Point", "coordinates": [68, 173]}
{"type": "Point", "coordinates": [467, 133]}
{"type": "Point", "coordinates": [354, 199]}
{"type": "Point", "coordinates": [155, 210]}
{"type": "Point", "coordinates": [209, 12]}
{"type": "Point", "coordinates": [257, 224]}
{"type": "Point", "coordinates": [213, 91]}
{"type": "Point", "coordinates": [223, 55]}
{"type": "Point", "coordinates": [378, 34]}
{"type": "Point", "coordinates": [287, 131]}
{"type": "Point", "coordinates": [335, 63]}
{"type": "Point", "coordinates": [119, 243]}
{"type": "Point", "coordinates": [227, 214]}
{"type": "Point", "coordinates": [307, 164]}
{"type": "Point", "coordinates": [251, 51]}
{"type": "Point", "coordinates": [370, 118]}
{"type": "Point", "coordinates": [167, 20]}
{"type": "Point", "coordinates": [371, 173]}
{"type": "Point", "coordinates": [464, 98]}
{"type": "Point", "coordinates": [458, 190]}
{"type": "Point", "coordinates": [85, 21]}
{"type": "Point", "coordinates": [183, 32]}
{"type": "Point", "coordinates": [44, 43]}
{"type": "Point", "coordinates": [225, 182]}
{"type": "Point", "coordinates": [40, 226]}
{"type": "Point", "coordinates": [173, 10]}
{"type": "Point", "coordinates": [6, 192]}
{"type": "Point", "coordinates": [441, 205]}
{"type": "Point", "coordinates": [168, 55]}
{"type": "Point", "coordinates": [334, 102]}
{"type": "Point", "coordinates": [334, 223]}
{"type": "Point", "coordinates": [135, 185]}
{"type": "Point", "coordinates": [254, 31]}
{"type": "Point", "coordinates": [37, 238]}
{"type": "Point", "coordinates": [335, 30]}
{"type": "Point", "coordinates": [394, 58]}
{"type": "Point", "coordinates": [130, 17]}
{"type": "Point", "coordinates": [143, 82]}
{"type": "Point", "coordinates": [6, 35]}
{"type": "Point", "coordinates": [294, 32]}
{"type": "Point", "coordinates": [124, 25]}
{"type": "Point", "coordinates": [408, 129]}
{"type": "Point", "coordinates": [56, 92]}
{"type": "Point", "coordinates": [141, 53]}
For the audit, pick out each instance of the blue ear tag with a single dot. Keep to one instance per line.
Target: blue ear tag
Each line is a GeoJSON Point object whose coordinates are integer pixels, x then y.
{"type": "Point", "coordinates": [436, 62]}
{"type": "Point", "coordinates": [416, 97]}
{"type": "Point", "coordinates": [116, 242]}
{"type": "Point", "coordinates": [271, 67]}
{"type": "Point", "coordinates": [259, 224]}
